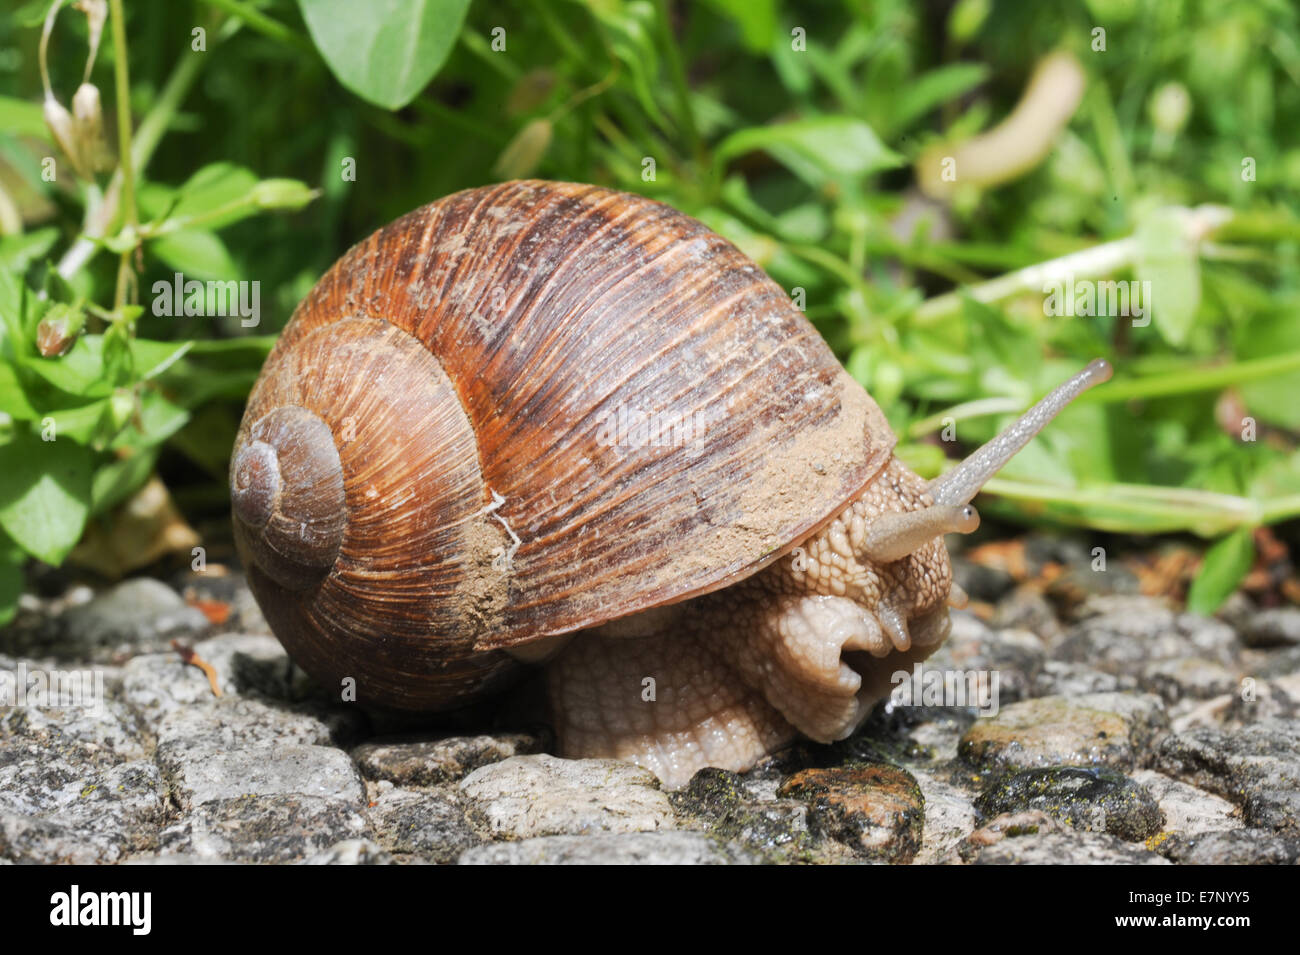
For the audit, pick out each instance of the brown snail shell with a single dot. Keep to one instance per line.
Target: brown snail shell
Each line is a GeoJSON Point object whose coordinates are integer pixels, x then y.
{"type": "Point", "coordinates": [421, 478]}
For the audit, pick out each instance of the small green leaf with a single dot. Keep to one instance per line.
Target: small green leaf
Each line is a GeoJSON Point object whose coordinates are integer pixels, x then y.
{"type": "Point", "coordinates": [196, 253]}
{"type": "Point", "coordinates": [936, 88]}
{"type": "Point", "coordinates": [44, 494]}
{"type": "Point", "coordinates": [1226, 565]}
{"type": "Point", "coordinates": [756, 19]}
{"type": "Point", "coordinates": [385, 51]}
{"type": "Point", "coordinates": [823, 148]}
{"type": "Point", "coordinates": [13, 397]}
{"type": "Point", "coordinates": [1168, 260]}
{"type": "Point", "coordinates": [19, 251]}
{"type": "Point", "coordinates": [81, 371]}
{"type": "Point", "coordinates": [282, 194]}
{"type": "Point", "coordinates": [153, 358]}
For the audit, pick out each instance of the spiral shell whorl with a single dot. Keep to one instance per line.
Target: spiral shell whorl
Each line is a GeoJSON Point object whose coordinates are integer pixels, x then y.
{"type": "Point", "coordinates": [287, 488]}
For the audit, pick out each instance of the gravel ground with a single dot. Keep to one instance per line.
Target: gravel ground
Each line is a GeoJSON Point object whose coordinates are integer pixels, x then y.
{"type": "Point", "coordinates": [1127, 731]}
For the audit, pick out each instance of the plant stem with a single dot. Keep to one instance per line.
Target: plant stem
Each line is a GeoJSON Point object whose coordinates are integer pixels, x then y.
{"type": "Point", "coordinates": [1131, 508]}
{"type": "Point", "coordinates": [123, 111]}
{"type": "Point", "coordinates": [1098, 260]}
{"type": "Point", "coordinates": [99, 216]}
{"type": "Point", "coordinates": [1087, 263]}
{"type": "Point", "coordinates": [964, 411]}
{"type": "Point", "coordinates": [1190, 380]}
{"type": "Point", "coordinates": [123, 83]}
{"type": "Point", "coordinates": [257, 20]}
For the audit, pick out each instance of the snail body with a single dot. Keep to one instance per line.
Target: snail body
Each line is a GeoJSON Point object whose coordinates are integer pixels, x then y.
{"type": "Point", "coordinates": [552, 423]}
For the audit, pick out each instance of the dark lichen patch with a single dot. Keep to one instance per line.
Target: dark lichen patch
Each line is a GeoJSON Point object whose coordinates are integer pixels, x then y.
{"type": "Point", "coordinates": [1090, 799]}
{"type": "Point", "coordinates": [876, 810]}
{"type": "Point", "coordinates": [719, 801]}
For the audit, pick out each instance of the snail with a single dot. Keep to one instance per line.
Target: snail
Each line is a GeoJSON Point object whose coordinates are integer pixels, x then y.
{"type": "Point", "coordinates": [550, 424]}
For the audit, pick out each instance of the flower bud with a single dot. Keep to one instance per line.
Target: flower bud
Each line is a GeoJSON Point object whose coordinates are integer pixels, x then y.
{"type": "Point", "coordinates": [64, 129]}
{"type": "Point", "coordinates": [88, 119]}
{"type": "Point", "coordinates": [58, 330]}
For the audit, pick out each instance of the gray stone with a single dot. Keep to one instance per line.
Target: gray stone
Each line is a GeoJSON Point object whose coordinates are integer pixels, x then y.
{"type": "Point", "coordinates": [1099, 729]}
{"type": "Point", "coordinates": [136, 616]}
{"type": "Point", "coordinates": [1187, 808]}
{"type": "Point", "coordinates": [949, 819]}
{"type": "Point", "coordinates": [1188, 677]}
{"type": "Point", "coordinates": [428, 762]}
{"type": "Point", "coordinates": [1118, 634]}
{"type": "Point", "coordinates": [1015, 655]}
{"type": "Point", "coordinates": [1276, 627]}
{"type": "Point", "coordinates": [1080, 583]}
{"type": "Point", "coordinates": [279, 828]}
{"type": "Point", "coordinates": [1232, 847]}
{"type": "Point", "coordinates": [1058, 848]}
{"type": "Point", "coordinates": [526, 796]}
{"type": "Point", "coordinates": [56, 811]}
{"type": "Point", "coordinates": [1092, 799]}
{"type": "Point", "coordinates": [198, 773]}
{"type": "Point", "coordinates": [429, 824]}
{"type": "Point", "coordinates": [629, 848]}
{"type": "Point", "coordinates": [1257, 766]}
{"type": "Point", "coordinates": [351, 852]}
{"type": "Point", "coordinates": [101, 735]}
{"type": "Point", "coordinates": [37, 840]}
{"type": "Point", "coordinates": [1255, 700]}
{"type": "Point", "coordinates": [155, 684]}
{"type": "Point", "coordinates": [231, 722]}
{"type": "Point", "coordinates": [1276, 662]}
{"type": "Point", "coordinates": [247, 664]}
{"type": "Point", "coordinates": [1059, 678]}
{"type": "Point", "coordinates": [1026, 608]}
{"type": "Point", "coordinates": [981, 581]}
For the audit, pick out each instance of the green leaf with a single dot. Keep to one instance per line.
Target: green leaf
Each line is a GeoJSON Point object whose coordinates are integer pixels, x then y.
{"type": "Point", "coordinates": [756, 19]}
{"type": "Point", "coordinates": [823, 148]}
{"type": "Point", "coordinates": [44, 494]}
{"type": "Point", "coordinates": [153, 358]}
{"type": "Point", "coordinates": [936, 88]}
{"type": "Point", "coordinates": [631, 30]}
{"type": "Point", "coordinates": [196, 253]}
{"type": "Point", "coordinates": [19, 251]}
{"type": "Point", "coordinates": [213, 187]}
{"type": "Point", "coordinates": [22, 118]}
{"type": "Point", "coordinates": [1168, 260]}
{"type": "Point", "coordinates": [1226, 565]}
{"type": "Point", "coordinates": [1271, 398]}
{"type": "Point", "coordinates": [385, 51]}
{"type": "Point", "coordinates": [283, 194]}
{"type": "Point", "coordinates": [81, 424]}
{"type": "Point", "coordinates": [13, 300]}
{"type": "Point", "coordinates": [81, 371]}
{"type": "Point", "coordinates": [13, 397]}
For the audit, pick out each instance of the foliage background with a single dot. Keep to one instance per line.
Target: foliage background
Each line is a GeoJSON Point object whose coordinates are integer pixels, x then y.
{"type": "Point", "coordinates": [809, 159]}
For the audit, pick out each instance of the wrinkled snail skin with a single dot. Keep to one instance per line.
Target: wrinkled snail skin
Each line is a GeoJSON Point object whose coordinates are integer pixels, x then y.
{"type": "Point", "coordinates": [548, 423]}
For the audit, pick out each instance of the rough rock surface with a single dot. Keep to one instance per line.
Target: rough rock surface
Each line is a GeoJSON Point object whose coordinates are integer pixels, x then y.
{"type": "Point", "coordinates": [1124, 732]}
